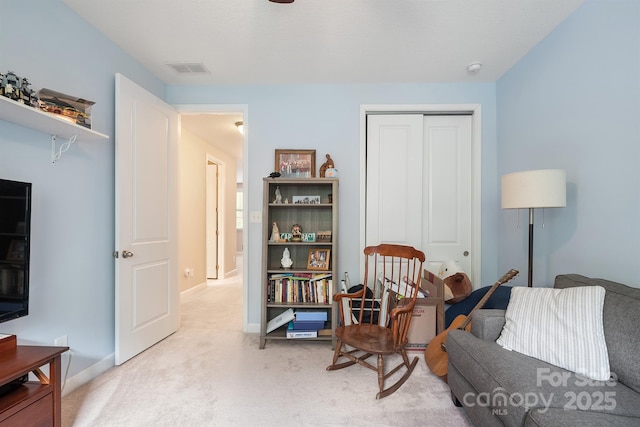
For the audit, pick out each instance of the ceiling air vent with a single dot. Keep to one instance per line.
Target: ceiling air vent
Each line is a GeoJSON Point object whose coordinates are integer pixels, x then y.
{"type": "Point", "coordinates": [188, 67]}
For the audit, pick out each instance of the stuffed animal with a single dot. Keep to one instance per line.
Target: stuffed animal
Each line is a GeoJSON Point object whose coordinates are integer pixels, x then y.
{"type": "Point", "coordinates": [457, 284]}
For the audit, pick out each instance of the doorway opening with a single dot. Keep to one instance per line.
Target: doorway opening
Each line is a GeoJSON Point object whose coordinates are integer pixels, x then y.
{"type": "Point", "coordinates": [212, 143]}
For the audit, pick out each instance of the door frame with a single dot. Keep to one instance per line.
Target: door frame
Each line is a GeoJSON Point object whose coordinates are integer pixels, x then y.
{"type": "Point", "coordinates": [475, 110]}
{"type": "Point", "coordinates": [246, 179]}
{"type": "Point", "coordinates": [220, 235]}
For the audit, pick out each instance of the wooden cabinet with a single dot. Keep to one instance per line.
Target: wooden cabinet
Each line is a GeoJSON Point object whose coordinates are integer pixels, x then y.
{"type": "Point", "coordinates": [34, 403]}
{"type": "Point", "coordinates": [309, 283]}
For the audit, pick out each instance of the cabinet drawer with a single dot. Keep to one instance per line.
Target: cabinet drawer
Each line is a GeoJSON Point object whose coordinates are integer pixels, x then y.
{"type": "Point", "coordinates": [37, 414]}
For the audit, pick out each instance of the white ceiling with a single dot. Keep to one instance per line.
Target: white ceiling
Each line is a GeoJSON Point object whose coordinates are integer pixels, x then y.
{"type": "Point", "coordinates": [326, 41]}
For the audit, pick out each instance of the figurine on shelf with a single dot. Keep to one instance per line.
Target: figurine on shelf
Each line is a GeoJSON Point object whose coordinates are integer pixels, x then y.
{"type": "Point", "coordinates": [326, 165]}
{"type": "Point", "coordinates": [286, 261]}
{"type": "Point", "coordinates": [275, 233]}
{"type": "Point", "coordinates": [296, 233]}
{"type": "Point", "coordinates": [11, 85]}
{"type": "Point", "coordinates": [278, 198]}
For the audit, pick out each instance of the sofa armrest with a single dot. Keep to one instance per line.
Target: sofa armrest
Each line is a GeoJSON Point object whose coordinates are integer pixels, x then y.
{"type": "Point", "coordinates": [487, 324]}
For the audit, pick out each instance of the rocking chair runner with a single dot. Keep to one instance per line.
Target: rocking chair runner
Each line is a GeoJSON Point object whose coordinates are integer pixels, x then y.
{"type": "Point", "coordinates": [375, 320]}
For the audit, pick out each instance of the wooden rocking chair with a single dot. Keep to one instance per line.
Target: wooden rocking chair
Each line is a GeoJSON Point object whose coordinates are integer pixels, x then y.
{"type": "Point", "coordinates": [375, 320]}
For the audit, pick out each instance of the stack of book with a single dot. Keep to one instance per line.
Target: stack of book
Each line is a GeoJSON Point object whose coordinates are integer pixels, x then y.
{"type": "Point", "coordinates": [301, 287]}
{"type": "Point", "coordinates": [307, 324]}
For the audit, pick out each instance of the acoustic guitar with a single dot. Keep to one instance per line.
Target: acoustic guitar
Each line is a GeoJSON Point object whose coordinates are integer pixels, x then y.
{"type": "Point", "coordinates": [436, 352]}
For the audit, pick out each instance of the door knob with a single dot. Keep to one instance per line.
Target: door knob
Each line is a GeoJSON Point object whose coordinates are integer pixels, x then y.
{"type": "Point", "coordinates": [465, 253]}
{"type": "Point", "coordinates": [127, 254]}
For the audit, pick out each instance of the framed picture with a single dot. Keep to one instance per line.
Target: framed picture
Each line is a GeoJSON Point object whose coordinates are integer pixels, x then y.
{"type": "Point", "coordinates": [296, 163]}
{"type": "Point", "coordinates": [324, 236]}
{"type": "Point", "coordinates": [318, 259]}
{"type": "Point", "coordinates": [306, 200]}
{"type": "Point", "coordinates": [16, 251]}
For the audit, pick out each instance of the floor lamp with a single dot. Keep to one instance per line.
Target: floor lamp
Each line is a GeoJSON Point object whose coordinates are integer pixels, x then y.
{"type": "Point", "coordinates": [545, 188]}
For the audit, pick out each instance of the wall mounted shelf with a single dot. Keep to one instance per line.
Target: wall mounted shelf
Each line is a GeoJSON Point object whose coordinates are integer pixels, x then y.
{"type": "Point", "coordinates": [31, 118]}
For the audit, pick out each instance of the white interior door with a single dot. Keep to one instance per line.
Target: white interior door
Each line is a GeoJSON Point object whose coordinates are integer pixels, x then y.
{"type": "Point", "coordinates": [446, 189]}
{"type": "Point", "coordinates": [418, 185]}
{"type": "Point", "coordinates": [147, 294]}
{"type": "Point", "coordinates": [394, 172]}
{"type": "Point", "coordinates": [212, 219]}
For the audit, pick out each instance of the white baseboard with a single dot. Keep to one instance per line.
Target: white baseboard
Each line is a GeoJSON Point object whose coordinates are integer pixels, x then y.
{"type": "Point", "coordinates": [253, 328]}
{"type": "Point", "coordinates": [191, 290]}
{"type": "Point", "coordinates": [83, 377]}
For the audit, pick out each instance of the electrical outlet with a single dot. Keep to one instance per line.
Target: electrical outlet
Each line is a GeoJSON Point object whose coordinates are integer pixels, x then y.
{"type": "Point", "coordinates": [62, 341]}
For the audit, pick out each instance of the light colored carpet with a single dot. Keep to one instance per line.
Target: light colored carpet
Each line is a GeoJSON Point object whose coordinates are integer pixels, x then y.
{"type": "Point", "coordinates": [211, 374]}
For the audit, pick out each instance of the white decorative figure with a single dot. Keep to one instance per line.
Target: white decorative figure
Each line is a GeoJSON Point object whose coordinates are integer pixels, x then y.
{"type": "Point", "coordinates": [286, 259]}
{"type": "Point", "coordinates": [275, 233]}
{"type": "Point", "coordinates": [278, 196]}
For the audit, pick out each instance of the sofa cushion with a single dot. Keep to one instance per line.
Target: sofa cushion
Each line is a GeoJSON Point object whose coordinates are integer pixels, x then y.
{"type": "Point", "coordinates": [560, 417]}
{"type": "Point", "coordinates": [559, 326]}
{"type": "Point", "coordinates": [621, 304]}
{"type": "Point", "coordinates": [511, 384]}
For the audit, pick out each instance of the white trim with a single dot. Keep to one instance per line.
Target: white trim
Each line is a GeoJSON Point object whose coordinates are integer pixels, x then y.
{"type": "Point", "coordinates": [221, 182]}
{"type": "Point", "coordinates": [246, 179]}
{"type": "Point", "coordinates": [192, 290]}
{"type": "Point", "coordinates": [86, 375]}
{"type": "Point", "coordinates": [476, 163]}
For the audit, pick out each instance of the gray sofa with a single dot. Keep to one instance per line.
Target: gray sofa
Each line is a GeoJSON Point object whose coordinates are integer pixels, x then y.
{"type": "Point", "coordinates": [497, 387]}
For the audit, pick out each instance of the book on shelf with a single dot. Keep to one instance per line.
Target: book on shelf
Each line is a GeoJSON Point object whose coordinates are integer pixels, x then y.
{"type": "Point", "coordinates": [300, 333]}
{"type": "Point", "coordinates": [317, 316]}
{"type": "Point", "coordinates": [308, 325]}
{"type": "Point", "coordinates": [281, 319]}
{"type": "Point", "coordinates": [300, 288]}
{"type": "Point", "coordinates": [320, 277]}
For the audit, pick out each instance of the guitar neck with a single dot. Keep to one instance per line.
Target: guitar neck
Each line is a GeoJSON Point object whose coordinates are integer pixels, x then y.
{"type": "Point", "coordinates": [504, 279]}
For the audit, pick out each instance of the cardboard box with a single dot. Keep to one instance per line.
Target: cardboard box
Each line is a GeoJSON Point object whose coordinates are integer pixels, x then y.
{"type": "Point", "coordinates": [423, 325]}
{"type": "Point", "coordinates": [428, 314]}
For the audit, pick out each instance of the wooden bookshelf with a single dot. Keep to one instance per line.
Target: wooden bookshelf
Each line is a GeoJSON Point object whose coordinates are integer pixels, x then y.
{"type": "Point", "coordinates": [311, 292]}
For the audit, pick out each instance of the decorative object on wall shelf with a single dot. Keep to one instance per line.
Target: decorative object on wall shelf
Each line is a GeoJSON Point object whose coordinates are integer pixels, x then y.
{"type": "Point", "coordinates": [285, 237]}
{"type": "Point", "coordinates": [306, 200]}
{"type": "Point", "coordinates": [76, 110]}
{"type": "Point", "coordinates": [296, 163]}
{"type": "Point", "coordinates": [309, 237]}
{"type": "Point", "coordinates": [278, 196]}
{"type": "Point", "coordinates": [318, 259]}
{"type": "Point", "coordinates": [323, 236]}
{"type": "Point", "coordinates": [286, 260]}
{"type": "Point", "coordinates": [275, 232]}
{"type": "Point", "coordinates": [328, 164]}
{"type": "Point", "coordinates": [18, 89]}
{"type": "Point", "coordinates": [332, 173]}
{"type": "Point", "coordinates": [296, 233]}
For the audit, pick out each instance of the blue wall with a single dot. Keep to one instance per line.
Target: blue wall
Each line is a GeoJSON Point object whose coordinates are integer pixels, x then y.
{"type": "Point", "coordinates": [72, 270]}
{"type": "Point", "coordinates": [573, 103]}
{"type": "Point", "coordinates": [327, 118]}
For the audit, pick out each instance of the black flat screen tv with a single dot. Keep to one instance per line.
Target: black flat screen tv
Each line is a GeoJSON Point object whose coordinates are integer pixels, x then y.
{"type": "Point", "coordinates": [15, 239]}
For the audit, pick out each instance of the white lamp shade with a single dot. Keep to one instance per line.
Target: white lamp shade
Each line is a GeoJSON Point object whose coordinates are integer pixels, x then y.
{"type": "Point", "coordinates": [544, 188]}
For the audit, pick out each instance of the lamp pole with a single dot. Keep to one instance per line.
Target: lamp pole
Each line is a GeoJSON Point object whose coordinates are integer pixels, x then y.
{"type": "Point", "coordinates": [530, 282]}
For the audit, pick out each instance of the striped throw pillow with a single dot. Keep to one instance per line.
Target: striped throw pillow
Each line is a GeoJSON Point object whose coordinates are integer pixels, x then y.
{"type": "Point", "coordinates": [559, 326]}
